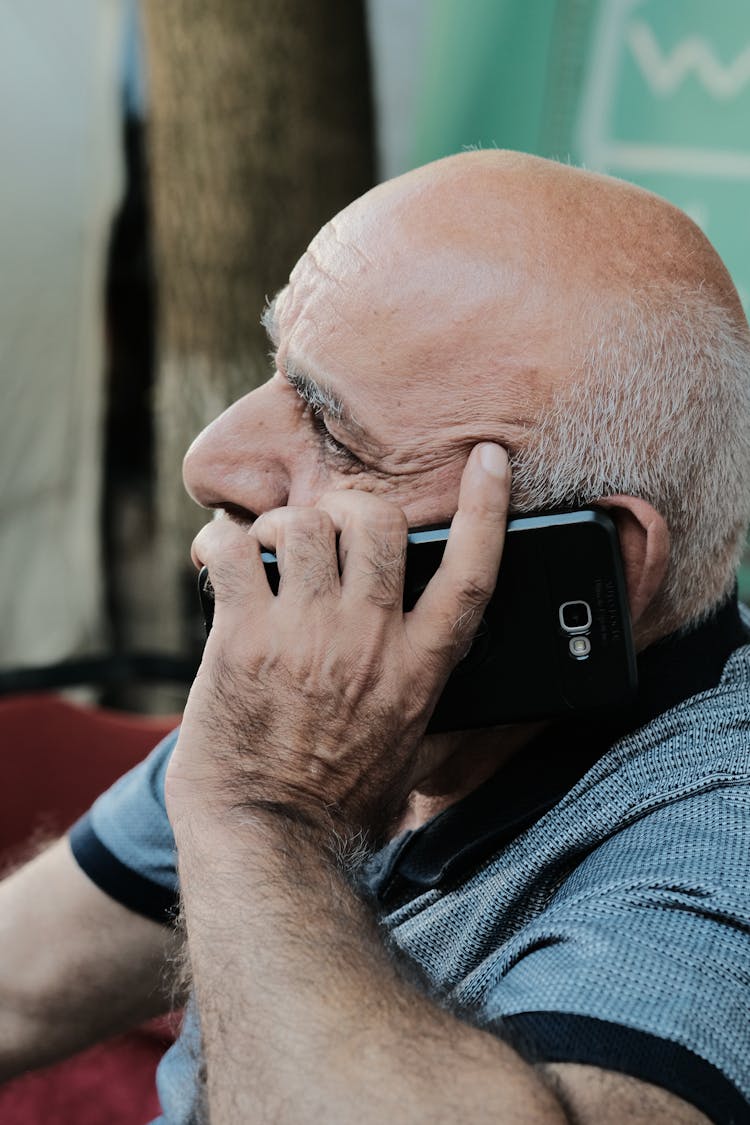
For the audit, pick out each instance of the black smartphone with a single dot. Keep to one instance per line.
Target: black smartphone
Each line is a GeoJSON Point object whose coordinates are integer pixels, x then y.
{"type": "Point", "coordinates": [555, 637]}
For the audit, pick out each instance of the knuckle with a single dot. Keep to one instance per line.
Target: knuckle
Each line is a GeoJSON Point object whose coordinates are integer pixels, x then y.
{"type": "Point", "coordinates": [291, 522]}
{"type": "Point", "coordinates": [307, 521]}
{"type": "Point", "coordinates": [214, 534]}
{"type": "Point", "coordinates": [386, 575]}
{"type": "Point", "coordinates": [227, 553]}
{"type": "Point", "coordinates": [387, 593]}
{"type": "Point", "coordinates": [312, 573]}
{"type": "Point", "coordinates": [306, 553]}
{"type": "Point", "coordinates": [386, 531]}
{"type": "Point", "coordinates": [386, 546]}
{"type": "Point", "coordinates": [227, 579]}
{"type": "Point", "coordinates": [389, 519]}
{"type": "Point", "coordinates": [386, 554]}
{"type": "Point", "coordinates": [318, 520]}
{"type": "Point", "coordinates": [307, 538]}
{"type": "Point", "coordinates": [474, 593]}
{"type": "Point", "coordinates": [263, 526]}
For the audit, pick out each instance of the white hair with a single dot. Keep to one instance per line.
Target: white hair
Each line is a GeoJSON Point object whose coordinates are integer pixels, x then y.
{"type": "Point", "coordinates": [661, 411]}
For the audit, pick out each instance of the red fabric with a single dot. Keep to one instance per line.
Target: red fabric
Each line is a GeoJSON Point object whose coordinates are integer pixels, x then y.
{"type": "Point", "coordinates": [55, 758]}
{"type": "Point", "coordinates": [110, 1084]}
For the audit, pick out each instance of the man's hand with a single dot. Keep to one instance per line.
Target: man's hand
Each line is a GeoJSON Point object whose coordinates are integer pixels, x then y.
{"type": "Point", "coordinates": [313, 703]}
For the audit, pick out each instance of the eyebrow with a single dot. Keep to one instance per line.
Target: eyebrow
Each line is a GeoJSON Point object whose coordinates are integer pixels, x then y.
{"type": "Point", "coordinates": [317, 395]}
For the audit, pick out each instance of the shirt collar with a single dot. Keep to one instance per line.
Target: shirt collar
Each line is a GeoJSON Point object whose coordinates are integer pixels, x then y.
{"type": "Point", "coordinates": [670, 671]}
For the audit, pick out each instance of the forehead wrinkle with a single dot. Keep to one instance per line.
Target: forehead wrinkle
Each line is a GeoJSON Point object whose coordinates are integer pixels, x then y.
{"type": "Point", "coordinates": [303, 376]}
{"type": "Point", "coordinates": [347, 243]}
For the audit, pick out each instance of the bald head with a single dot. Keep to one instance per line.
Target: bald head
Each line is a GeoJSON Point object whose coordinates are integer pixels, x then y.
{"type": "Point", "coordinates": [545, 224]}
{"type": "Point", "coordinates": [584, 323]}
{"type": "Point", "coordinates": [494, 264]}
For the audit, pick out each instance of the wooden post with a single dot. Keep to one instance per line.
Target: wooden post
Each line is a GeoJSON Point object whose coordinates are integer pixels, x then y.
{"type": "Point", "coordinates": [259, 131]}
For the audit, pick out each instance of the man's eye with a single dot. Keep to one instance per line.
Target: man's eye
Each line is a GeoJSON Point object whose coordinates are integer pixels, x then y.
{"type": "Point", "coordinates": [332, 444]}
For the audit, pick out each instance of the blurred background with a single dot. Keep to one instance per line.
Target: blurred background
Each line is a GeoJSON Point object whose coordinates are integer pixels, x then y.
{"type": "Point", "coordinates": [163, 166]}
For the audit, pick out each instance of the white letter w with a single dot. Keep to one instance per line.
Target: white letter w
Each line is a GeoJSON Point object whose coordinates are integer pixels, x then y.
{"type": "Point", "coordinates": [665, 73]}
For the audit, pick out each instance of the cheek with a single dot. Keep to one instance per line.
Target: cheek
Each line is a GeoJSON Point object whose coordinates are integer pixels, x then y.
{"type": "Point", "coordinates": [425, 497]}
{"type": "Point", "coordinates": [315, 472]}
{"type": "Point", "coordinates": [431, 497]}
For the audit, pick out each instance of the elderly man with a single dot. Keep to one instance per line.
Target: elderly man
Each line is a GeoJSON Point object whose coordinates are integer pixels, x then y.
{"type": "Point", "coordinates": [559, 927]}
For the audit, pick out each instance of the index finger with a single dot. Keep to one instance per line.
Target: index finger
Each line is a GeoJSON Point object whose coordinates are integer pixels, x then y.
{"type": "Point", "coordinates": [448, 613]}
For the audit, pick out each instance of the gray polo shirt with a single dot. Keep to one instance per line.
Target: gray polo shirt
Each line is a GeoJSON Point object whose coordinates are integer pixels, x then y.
{"type": "Point", "coordinates": [590, 903]}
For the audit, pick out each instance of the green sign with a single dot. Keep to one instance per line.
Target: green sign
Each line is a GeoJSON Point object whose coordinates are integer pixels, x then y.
{"type": "Point", "coordinates": [666, 102]}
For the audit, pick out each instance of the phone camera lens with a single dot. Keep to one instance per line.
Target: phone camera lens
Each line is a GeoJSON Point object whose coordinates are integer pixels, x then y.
{"type": "Point", "coordinates": [575, 617]}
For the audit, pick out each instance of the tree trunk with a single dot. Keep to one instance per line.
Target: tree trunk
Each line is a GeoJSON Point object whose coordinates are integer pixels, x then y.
{"type": "Point", "coordinates": [259, 131]}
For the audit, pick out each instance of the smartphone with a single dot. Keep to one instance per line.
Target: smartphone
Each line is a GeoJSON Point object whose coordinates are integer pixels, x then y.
{"type": "Point", "coordinates": [555, 637]}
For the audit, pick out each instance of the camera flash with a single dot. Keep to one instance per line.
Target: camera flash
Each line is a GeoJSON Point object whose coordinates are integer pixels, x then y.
{"type": "Point", "coordinates": [579, 647]}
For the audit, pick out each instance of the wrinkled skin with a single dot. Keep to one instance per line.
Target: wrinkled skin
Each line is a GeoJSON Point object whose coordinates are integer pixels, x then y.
{"type": "Point", "coordinates": [317, 698]}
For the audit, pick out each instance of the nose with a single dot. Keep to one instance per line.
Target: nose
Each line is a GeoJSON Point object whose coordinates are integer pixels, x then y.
{"type": "Point", "coordinates": [239, 462]}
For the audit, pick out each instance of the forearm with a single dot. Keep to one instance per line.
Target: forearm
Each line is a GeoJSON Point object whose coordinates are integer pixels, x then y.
{"type": "Point", "coordinates": [29, 1042]}
{"type": "Point", "coordinates": [75, 966]}
{"type": "Point", "coordinates": [34, 1035]}
{"type": "Point", "coordinates": [304, 1014]}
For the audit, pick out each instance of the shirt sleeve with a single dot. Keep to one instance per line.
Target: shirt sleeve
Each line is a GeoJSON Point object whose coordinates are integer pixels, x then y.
{"type": "Point", "coordinates": [124, 843]}
{"type": "Point", "coordinates": [641, 964]}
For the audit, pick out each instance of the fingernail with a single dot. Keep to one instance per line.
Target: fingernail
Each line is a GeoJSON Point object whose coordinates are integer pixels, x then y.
{"type": "Point", "coordinates": [494, 459]}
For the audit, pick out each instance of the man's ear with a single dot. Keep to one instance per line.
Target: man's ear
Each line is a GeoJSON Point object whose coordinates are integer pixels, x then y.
{"type": "Point", "coordinates": [644, 543]}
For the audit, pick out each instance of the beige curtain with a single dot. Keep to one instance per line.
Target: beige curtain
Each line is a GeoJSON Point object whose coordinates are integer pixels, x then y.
{"type": "Point", "coordinates": [59, 186]}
